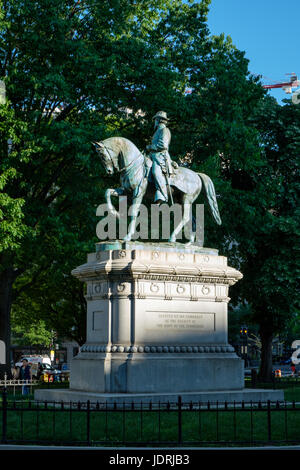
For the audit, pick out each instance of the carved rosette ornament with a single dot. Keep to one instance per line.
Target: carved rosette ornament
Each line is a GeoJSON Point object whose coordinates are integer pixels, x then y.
{"type": "Point", "coordinates": [180, 289]}
{"type": "Point", "coordinates": [205, 290]}
{"type": "Point", "coordinates": [97, 288]}
{"type": "Point", "coordinates": [154, 287]}
{"type": "Point", "coordinates": [122, 254]}
{"type": "Point", "coordinates": [137, 264]}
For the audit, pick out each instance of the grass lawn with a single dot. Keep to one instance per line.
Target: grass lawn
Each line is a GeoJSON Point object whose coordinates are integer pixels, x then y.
{"type": "Point", "coordinates": [136, 427]}
{"type": "Point", "coordinates": [292, 394]}
{"type": "Point", "coordinates": [206, 427]}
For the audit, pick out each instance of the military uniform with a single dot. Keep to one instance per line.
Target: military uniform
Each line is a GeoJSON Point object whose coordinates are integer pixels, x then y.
{"type": "Point", "coordinates": [159, 153]}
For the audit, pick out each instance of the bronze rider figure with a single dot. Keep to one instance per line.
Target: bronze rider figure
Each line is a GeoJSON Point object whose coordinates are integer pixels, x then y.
{"type": "Point", "coordinates": [162, 167]}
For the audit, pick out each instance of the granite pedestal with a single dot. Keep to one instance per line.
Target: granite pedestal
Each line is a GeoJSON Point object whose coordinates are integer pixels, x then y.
{"type": "Point", "coordinates": [156, 327]}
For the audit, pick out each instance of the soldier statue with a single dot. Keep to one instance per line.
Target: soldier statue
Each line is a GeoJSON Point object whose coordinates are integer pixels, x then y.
{"type": "Point", "coordinates": [119, 155]}
{"type": "Point", "coordinates": [163, 167]}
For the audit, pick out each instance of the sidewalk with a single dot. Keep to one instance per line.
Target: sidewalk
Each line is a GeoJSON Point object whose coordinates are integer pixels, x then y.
{"type": "Point", "coordinates": [118, 449]}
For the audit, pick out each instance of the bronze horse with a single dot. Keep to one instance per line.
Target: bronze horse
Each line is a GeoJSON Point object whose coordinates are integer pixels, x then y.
{"type": "Point", "coordinates": [120, 155]}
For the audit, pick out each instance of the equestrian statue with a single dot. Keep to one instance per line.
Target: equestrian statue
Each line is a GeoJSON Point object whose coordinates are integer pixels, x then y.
{"type": "Point", "coordinates": [140, 175]}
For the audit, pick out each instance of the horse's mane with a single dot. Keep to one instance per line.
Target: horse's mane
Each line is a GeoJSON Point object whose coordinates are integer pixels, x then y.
{"type": "Point", "coordinates": [123, 145]}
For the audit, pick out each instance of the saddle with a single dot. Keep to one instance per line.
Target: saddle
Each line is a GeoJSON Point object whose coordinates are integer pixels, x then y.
{"type": "Point", "coordinates": [148, 165]}
{"type": "Point", "coordinates": [175, 178]}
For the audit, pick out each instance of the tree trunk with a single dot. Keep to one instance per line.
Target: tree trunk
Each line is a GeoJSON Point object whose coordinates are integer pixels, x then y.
{"type": "Point", "coordinates": [265, 372]}
{"type": "Point", "coordinates": [6, 285]}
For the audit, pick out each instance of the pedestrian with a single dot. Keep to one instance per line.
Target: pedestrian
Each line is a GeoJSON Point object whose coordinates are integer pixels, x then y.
{"type": "Point", "coordinates": [39, 371]}
{"type": "Point", "coordinates": [293, 367]}
{"type": "Point", "coordinates": [14, 371]}
{"type": "Point", "coordinates": [25, 374]}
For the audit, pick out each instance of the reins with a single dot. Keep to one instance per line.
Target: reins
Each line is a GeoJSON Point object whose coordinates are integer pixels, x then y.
{"type": "Point", "coordinates": [126, 167]}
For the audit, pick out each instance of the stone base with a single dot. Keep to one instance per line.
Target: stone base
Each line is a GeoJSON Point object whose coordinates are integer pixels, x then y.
{"type": "Point", "coordinates": [156, 321]}
{"type": "Point", "coordinates": [156, 328]}
{"type": "Point", "coordinates": [222, 396]}
{"type": "Point", "coordinates": [156, 372]}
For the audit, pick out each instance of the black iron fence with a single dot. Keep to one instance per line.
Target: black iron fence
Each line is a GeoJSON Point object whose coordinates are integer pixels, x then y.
{"type": "Point", "coordinates": [148, 424]}
{"type": "Point", "coordinates": [276, 383]}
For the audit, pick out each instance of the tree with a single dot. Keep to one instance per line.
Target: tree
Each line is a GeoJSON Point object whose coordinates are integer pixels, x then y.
{"type": "Point", "coordinates": [72, 71]}
{"type": "Point", "coordinates": [79, 71]}
{"type": "Point", "coordinates": [275, 262]}
{"type": "Point", "coordinates": [11, 215]}
{"type": "Point", "coordinates": [33, 333]}
{"type": "Point", "coordinates": [66, 68]}
{"type": "Point", "coordinates": [261, 229]}
{"type": "Point", "coordinates": [12, 227]}
{"type": "Point", "coordinates": [249, 145]}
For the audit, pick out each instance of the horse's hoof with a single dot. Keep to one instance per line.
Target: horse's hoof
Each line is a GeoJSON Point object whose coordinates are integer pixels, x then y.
{"type": "Point", "coordinates": [189, 243]}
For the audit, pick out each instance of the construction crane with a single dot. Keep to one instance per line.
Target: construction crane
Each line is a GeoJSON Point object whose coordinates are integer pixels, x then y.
{"type": "Point", "coordinates": [288, 86]}
{"type": "Point", "coordinates": [285, 85]}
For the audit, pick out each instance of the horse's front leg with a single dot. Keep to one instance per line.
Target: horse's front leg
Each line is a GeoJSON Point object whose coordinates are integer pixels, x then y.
{"type": "Point", "coordinates": [134, 213]}
{"type": "Point", "coordinates": [113, 192]}
{"type": "Point", "coordinates": [138, 195]}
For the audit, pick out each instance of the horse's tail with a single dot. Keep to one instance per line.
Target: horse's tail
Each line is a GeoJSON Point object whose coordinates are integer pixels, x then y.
{"type": "Point", "coordinates": [211, 197]}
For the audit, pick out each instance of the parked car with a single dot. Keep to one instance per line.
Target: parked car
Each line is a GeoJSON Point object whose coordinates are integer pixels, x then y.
{"type": "Point", "coordinates": [47, 373]}
{"type": "Point", "coordinates": [34, 359]}
{"type": "Point", "coordinates": [285, 361]}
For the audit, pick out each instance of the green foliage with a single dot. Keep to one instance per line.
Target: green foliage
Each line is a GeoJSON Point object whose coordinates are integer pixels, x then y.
{"type": "Point", "coordinates": [76, 72]}
{"type": "Point", "coordinates": [11, 229]}
{"type": "Point", "coordinates": [260, 211]}
{"type": "Point", "coordinates": [33, 332]}
{"type": "Point", "coordinates": [270, 250]}
{"type": "Point", "coordinates": [72, 71]}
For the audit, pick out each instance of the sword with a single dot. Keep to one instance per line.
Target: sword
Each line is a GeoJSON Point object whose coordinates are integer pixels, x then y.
{"type": "Point", "coordinates": [169, 187]}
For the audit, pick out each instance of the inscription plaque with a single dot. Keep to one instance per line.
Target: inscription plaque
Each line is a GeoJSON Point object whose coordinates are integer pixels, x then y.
{"type": "Point", "coordinates": [178, 321]}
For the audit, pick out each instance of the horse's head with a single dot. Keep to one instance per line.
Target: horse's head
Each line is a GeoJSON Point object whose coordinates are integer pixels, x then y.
{"type": "Point", "coordinates": [107, 157]}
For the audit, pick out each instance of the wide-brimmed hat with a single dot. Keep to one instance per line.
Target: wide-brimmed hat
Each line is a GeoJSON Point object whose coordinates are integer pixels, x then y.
{"type": "Point", "coordinates": [161, 115]}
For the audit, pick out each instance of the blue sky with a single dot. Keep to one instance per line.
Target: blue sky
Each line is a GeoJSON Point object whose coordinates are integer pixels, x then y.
{"type": "Point", "coordinates": [267, 30]}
